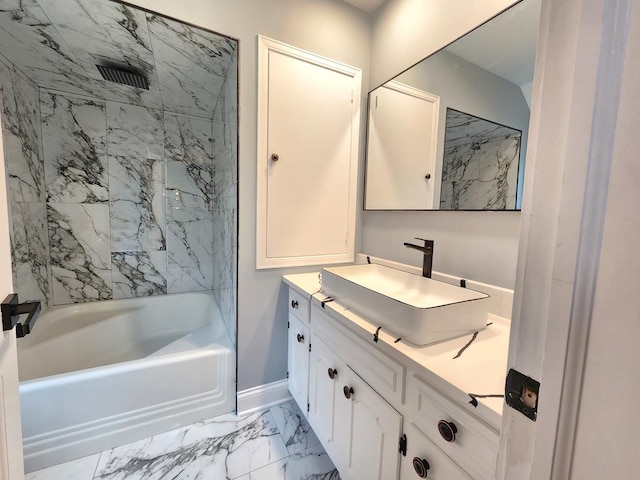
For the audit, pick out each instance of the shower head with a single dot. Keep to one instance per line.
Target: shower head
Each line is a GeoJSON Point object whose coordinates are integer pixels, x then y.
{"type": "Point", "coordinates": [123, 76]}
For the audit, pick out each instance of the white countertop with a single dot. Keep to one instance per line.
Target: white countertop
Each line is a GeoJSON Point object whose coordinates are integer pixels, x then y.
{"type": "Point", "coordinates": [479, 370]}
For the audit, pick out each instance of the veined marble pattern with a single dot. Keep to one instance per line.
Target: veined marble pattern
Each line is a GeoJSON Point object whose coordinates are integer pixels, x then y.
{"type": "Point", "coordinates": [30, 252]}
{"type": "Point", "coordinates": [255, 447]}
{"type": "Point", "coordinates": [189, 250]}
{"type": "Point", "coordinates": [480, 165]}
{"type": "Point", "coordinates": [226, 300]}
{"type": "Point", "coordinates": [80, 252]}
{"type": "Point", "coordinates": [58, 42]}
{"type": "Point", "coordinates": [106, 29]}
{"type": "Point", "coordinates": [138, 274]}
{"type": "Point", "coordinates": [21, 135]}
{"type": "Point", "coordinates": [75, 151]}
{"type": "Point", "coordinates": [190, 92]}
{"type": "Point", "coordinates": [188, 146]}
{"type": "Point", "coordinates": [190, 48]}
{"type": "Point", "coordinates": [227, 107]}
{"type": "Point", "coordinates": [136, 178]}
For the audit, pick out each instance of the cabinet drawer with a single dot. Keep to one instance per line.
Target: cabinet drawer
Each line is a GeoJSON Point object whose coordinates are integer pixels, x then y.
{"type": "Point", "coordinates": [383, 374]}
{"type": "Point", "coordinates": [298, 305]}
{"type": "Point", "coordinates": [430, 459]}
{"type": "Point", "coordinates": [475, 446]}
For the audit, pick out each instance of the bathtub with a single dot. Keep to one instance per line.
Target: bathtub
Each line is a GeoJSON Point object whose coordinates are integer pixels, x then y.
{"type": "Point", "coordinates": [97, 375]}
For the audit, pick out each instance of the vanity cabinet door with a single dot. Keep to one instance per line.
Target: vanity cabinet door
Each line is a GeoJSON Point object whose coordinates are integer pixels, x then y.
{"type": "Point", "coordinates": [325, 374]}
{"type": "Point", "coordinates": [368, 430]}
{"type": "Point", "coordinates": [298, 362]}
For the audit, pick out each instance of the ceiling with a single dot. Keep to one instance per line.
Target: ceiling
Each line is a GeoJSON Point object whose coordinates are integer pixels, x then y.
{"type": "Point", "coordinates": [505, 46]}
{"type": "Point", "coordinates": [366, 5]}
{"type": "Point", "coordinates": [57, 43]}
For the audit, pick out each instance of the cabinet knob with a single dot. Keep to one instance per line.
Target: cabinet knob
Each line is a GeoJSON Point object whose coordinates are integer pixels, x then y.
{"type": "Point", "coordinates": [300, 338]}
{"type": "Point", "coordinates": [421, 466]}
{"type": "Point", "coordinates": [348, 391]}
{"type": "Point", "coordinates": [427, 176]}
{"type": "Point", "coordinates": [275, 157]}
{"type": "Point", "coordinates": [332, 373]}
{"type": "Point", "coordinates": [294, 304]}
{"type": "Point", "coordinates": [447, 430]}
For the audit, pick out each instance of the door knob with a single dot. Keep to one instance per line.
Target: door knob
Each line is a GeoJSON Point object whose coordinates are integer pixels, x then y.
{"type": "Point", "coordinates": [427, 176]}
{"type": "Point", "coordinates": [332, 373]}
{"type": "Point", "coordinates": [275, 157]}
{"type": "Point", "coordinates": [348, 391]}
{"type": "Point", "coordinates": [421, 466]}
{"type": "Point", "coordinates": [294, 304]}
{"type": "Point", "coordinates": [447, 430]}
{"type": "Point", "coordinates": [300, 338]}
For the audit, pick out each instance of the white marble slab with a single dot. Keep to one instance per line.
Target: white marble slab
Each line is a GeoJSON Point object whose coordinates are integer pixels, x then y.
{"type": "Point", "coordinates": [189, 250]}
{"type": "Point", "coordinates": [135, 137]}
{"type": "Point", "coordinates": [75, 150]}
{"type": "Point", "coordinates": [30, 252]}
{"type": "Point", "coordinates": [138, 274]}
{"type": "Point", "coordinates": [80, 253]}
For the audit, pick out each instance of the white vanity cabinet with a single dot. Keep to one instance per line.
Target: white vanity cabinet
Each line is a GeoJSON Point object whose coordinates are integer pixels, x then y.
{"type": "Point", "coordinates": [298, 348]}
{"type": "Point", "coordinates": [357, 427]}
{"type": "Point", "coordinates": [362, 400]}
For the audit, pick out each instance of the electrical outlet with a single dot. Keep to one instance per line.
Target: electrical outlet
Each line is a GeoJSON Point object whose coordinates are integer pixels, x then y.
{"type": "Point", "coordinates": [521, 394]}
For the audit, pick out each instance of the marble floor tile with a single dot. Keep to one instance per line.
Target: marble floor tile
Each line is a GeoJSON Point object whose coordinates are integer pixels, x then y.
{"type": "Point", "coordinates": [312, 464]}
{"type": "Point", "coordinates": [80, 469]}
{"type": "Point", "coordinates": [227, 447]}
{"type": "Point", "coordinates": [293, 427]}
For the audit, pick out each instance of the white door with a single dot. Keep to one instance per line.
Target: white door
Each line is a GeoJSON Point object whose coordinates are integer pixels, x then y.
{"type": "Point", "coordinates": [401, 149]}
{"type": "Point", "coordinates": [298, 362]}
{"type": "Point", "coordinates": [11, 466]}
{"type": "Point", "coordinates": [368, 432]}
{"type": "Point", "coordinates": [325, 373]}
{"type": "Point", "coordinates": [307, 158]}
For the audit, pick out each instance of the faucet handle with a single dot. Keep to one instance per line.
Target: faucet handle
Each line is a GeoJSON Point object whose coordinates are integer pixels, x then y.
{"type": "Point", "coordinates": [424, 240]}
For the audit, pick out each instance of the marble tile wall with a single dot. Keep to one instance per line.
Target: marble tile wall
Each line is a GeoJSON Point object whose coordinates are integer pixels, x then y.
{"type": "Point", "coordinates": [480, 164]}
{"type": "Point", "coordinates": [130, 199]}
{"type": "Point", "coordinates": [22, 143]}
{"type": "Point", "coordinates": [225, 202]}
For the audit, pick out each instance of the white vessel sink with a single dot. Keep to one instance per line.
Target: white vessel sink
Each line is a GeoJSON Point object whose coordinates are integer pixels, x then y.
{"type": "Point", "coordinates": [417, 309]}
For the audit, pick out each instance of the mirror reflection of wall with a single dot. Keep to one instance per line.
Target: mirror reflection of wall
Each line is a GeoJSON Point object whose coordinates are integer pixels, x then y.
{"type": "Point", "coordinates": [486, 74]}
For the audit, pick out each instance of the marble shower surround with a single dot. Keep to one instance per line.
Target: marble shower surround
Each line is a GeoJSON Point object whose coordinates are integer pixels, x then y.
{"type": "Point", "coordinates": [25, 183]}
{"type": "Point", "coordinates": [129, 199]}
{"type": "Point", "coordinates": [480, 164]}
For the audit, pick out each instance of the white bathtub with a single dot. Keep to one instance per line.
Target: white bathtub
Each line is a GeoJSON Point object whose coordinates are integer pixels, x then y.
{"type": "Point", "coordinates": [101, 374]}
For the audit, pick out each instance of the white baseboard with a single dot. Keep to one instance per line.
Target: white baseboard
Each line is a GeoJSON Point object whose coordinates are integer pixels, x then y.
{"type": "Point", "coordinates": [262, 397]}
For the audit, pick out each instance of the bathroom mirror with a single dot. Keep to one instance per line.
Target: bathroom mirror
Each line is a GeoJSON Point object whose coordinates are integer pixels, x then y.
{"type": "Point", "coordinates": [450, 133]}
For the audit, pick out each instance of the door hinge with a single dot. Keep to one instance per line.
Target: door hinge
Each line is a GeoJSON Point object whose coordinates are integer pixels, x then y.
{"type": "Point", "coordinates": [308, 407]}
{"type": "Point", "coordinates": [309, 347]}
{"type": "Point", "coordinates": [287, 374]}
{"type": "Point", "coordinates": [288, 324]}
{"type": "Point", "coordinates": [351, 96]}
{"type": "Point", "coordinates": [402, 447]}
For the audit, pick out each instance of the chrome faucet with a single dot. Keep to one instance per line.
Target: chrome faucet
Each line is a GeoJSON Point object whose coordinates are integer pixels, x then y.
{"type": "Point", "coordinates": [427, 258]}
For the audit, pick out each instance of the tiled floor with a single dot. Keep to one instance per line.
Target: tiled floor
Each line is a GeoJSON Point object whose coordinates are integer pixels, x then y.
{"type": "Point", "coordinates": [276, 444]}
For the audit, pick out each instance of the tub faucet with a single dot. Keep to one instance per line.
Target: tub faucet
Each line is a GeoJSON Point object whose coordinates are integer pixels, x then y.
{"type": "Point", "coordinates": [427, 257]}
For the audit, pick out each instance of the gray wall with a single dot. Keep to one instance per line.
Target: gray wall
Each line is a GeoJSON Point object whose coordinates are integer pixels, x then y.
{"type": "Point", "coordinates": [326, 27]}
{"type": "Point", "coordinates": [470, 89]}
{"type": "Point", "coordinates": [479, 245]}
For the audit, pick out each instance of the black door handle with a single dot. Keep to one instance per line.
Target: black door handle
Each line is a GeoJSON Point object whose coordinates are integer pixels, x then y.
{"type": "Point", "coordinates": [11, 311]}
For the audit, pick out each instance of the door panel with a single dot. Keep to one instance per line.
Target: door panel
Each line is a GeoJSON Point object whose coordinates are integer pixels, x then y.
{"type": "Point", "coordinates": [298, 362]}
